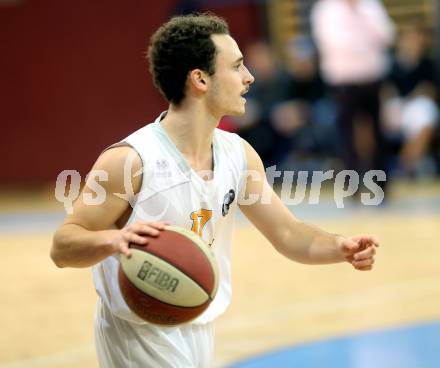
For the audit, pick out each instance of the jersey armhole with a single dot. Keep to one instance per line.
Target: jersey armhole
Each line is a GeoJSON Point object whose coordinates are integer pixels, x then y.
{"type": "Point", "coordinates": [134, 202]}
{"type": "Point", "coordinates": [244, 164]}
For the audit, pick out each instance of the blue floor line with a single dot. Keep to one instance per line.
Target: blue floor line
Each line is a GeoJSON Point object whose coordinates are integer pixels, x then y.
{"type": "Point", "coordinates": [403, 347]}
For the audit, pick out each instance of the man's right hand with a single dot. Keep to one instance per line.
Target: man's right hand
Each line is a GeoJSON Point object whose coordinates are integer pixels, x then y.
{"type": "Point", "coordinates": [136, 233]}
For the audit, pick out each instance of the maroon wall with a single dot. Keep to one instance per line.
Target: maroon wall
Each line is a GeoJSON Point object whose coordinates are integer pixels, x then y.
{"type": "Point", "coordinates": [73, 79]}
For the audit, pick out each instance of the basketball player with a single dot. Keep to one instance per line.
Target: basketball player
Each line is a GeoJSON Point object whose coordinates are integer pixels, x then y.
{"type": "Point", "coordinates": [184, 171]}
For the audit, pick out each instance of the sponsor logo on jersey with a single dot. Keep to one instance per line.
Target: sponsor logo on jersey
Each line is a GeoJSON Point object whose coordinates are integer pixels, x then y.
{"type": "Point", "coordinates": [227, 201]}
{"type": "Point", "coordinates": [162, 169]}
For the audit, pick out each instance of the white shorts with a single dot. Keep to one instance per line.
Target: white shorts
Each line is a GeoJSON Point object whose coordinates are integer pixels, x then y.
{"type": "Point", "coordinates": [121, 344]}
{"type": "Point", "coordinates": [410, 116]}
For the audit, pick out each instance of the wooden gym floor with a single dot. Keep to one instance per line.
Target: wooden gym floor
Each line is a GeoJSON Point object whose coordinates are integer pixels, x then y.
{"type": "Point", "coordinates": [46, 313]}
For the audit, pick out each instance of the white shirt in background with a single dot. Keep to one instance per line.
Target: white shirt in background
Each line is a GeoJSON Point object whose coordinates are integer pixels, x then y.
{"type": "Point", "coordinates": [353, 38]}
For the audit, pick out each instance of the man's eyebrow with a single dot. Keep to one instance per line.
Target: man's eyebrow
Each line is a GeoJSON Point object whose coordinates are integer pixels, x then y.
{"type": "Point", "coordinates": [239, 60]}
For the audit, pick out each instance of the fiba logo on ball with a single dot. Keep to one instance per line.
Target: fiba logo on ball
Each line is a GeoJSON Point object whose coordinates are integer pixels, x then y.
{"type": "Point", "coordinates": [157, 278]}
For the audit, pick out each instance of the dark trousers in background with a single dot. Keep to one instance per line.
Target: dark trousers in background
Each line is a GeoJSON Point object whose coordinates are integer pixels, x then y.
{"type": "Point", "coordinates": [361, 142]}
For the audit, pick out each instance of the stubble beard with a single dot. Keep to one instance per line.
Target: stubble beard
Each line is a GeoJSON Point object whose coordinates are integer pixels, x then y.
{"type": "Point", "coordinates": [222, 105]}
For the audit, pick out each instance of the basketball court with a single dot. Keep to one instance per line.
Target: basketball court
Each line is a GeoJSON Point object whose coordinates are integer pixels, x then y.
{"type": "Point", "coordinates": [283, 314]}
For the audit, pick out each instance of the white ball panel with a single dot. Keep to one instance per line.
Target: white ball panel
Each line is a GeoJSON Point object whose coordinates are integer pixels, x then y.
{"type": "Point", "coordinates": [162, 280]}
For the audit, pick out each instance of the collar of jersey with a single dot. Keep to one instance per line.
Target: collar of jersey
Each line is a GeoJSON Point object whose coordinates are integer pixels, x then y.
{"type": "Point", "coordinates": [180, 160]}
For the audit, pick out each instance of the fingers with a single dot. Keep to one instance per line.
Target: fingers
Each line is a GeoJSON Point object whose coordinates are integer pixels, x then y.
{"type": "Point", "coordinates": [124, 249]}
{"type": "Point", "coordinates": [360, 251]}
{"type": "Point", "coordinates": [365, 254]}
{"type": "Point", "coordinates": [362, 265]}
{"type": "Point", "coordinates": [160, 225]}
{"type": "Point", "coordinates": [357, 244]}
{"type": "Point", "coordinates": [366, 240]}
{"type": "Point", "coordinates": [138, 233]}
{"type": "Point", "coordinates": [122, 244]}
{"type": "Point", "coordinates": [147, 228]}
{"type": "Point", "coordinates": [363, 260]}
{"type": "Point", "coordinates": [349, 247]}
{"type": "Point", "coordinates": [134, 238]}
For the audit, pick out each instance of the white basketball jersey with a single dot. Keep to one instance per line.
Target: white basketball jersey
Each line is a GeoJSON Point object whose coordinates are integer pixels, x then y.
{"type": "Point", "coordinates": [172, 191]}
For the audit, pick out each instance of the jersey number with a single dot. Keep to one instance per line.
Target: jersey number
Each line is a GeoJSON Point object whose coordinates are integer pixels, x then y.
{"type": "Point", "coordinates": [199, 219]}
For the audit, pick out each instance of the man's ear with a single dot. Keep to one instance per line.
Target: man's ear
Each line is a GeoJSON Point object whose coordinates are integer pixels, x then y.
{"type": "Point", "coordinates": [198, 80]}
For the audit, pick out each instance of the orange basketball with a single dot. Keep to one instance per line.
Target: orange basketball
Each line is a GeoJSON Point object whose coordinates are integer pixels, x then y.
{"type": "Point", "coordinates": [172, 279]}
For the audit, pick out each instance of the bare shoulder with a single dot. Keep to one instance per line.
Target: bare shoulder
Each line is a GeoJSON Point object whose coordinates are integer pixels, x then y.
{"type": "Point", "coordinates": [253, 159]}
{"type": "Point", "coordinates": [116, 158]}
{"type": "Point", "coordinates": [117, 177]}
{"type": "Point", "coordinates": [120, 164]}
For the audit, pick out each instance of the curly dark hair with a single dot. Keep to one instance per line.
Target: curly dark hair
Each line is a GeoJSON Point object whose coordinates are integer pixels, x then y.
{"type": "Point", "coordinates": [182, 44]}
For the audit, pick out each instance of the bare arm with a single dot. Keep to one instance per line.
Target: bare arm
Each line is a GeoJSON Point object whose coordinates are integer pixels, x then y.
{"type": "Point", "coordinates": [88, 235]}
{"type": "Point", "coordinates": [293, 238]}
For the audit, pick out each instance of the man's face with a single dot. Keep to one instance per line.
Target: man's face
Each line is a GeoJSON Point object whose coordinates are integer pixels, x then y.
{"type": "Point", "coordinates": [230, 80]}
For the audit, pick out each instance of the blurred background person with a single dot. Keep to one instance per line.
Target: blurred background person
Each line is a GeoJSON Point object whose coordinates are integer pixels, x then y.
{"type": "Point", "coordinates": [410, 114]}
{"type": "Point", "coordinates": [288, 119]}
{"type": "Point", "coordinates": [272, 87]}
{"type": "Point", "coordinates": [353, 38]}
{"type": "Point", "coordinates": [315, 141]}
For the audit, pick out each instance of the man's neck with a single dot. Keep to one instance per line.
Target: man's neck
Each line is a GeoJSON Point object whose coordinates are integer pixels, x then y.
{"type": "Point", "coordinates": [191, 129]}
